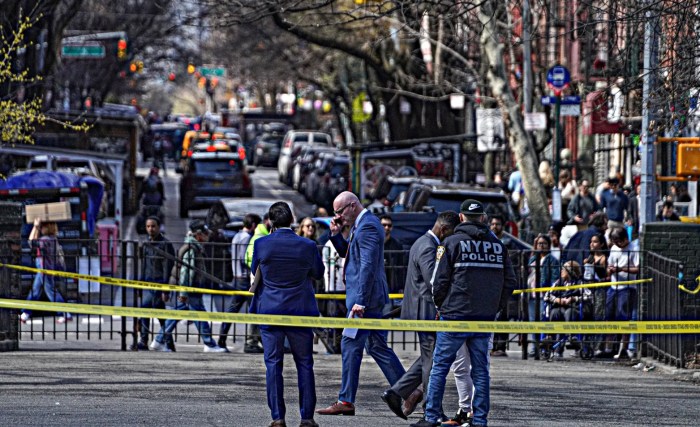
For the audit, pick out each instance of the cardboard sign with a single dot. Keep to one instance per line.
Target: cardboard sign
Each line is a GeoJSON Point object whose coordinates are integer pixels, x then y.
{"type": "Point", "coordinates": [59, 211]}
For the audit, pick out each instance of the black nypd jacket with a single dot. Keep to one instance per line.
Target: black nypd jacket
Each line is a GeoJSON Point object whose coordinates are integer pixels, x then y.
{"type": "Point", "coordinates": [473, 276]}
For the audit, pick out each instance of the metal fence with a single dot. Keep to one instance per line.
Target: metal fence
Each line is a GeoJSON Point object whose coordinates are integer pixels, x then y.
{"type": "Point", "coordinates": [664, 301]}
{"type": "Point", "coordinates": [123, 259]}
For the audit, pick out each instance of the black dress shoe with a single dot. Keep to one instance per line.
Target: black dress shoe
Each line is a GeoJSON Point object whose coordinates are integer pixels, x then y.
{"type": "Point", "coordinates": [393, 400]}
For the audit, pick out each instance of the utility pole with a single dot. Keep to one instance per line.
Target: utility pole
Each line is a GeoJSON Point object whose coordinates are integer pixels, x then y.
{"type": "Point", "coordinates": [648, 190]}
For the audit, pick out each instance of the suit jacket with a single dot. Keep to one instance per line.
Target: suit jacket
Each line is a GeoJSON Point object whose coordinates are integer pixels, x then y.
{"type": "Point", "coordinates": [365, 279]}
{"type": "Point", "coordinates": [418, 298]}
{"type": "Point", "coordinates": [288, 263]}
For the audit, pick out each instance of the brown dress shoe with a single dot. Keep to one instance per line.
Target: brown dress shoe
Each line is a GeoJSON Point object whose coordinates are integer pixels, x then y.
{"type": "Point", "coordinates": [409, 405]}
{"type": "Point", "coordinates": [278, 423]}
{"type": "Point", "coordinates": [338, 408]}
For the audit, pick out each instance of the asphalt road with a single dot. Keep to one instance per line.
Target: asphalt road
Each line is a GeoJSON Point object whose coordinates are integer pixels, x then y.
{"type": "Point", "coordinates": [88, 383]}
{"type": "Point", "coordinates": [265, 185]}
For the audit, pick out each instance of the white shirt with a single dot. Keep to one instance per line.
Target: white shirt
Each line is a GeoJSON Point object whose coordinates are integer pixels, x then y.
{"type": "Point", "coordinates": [624, 257]}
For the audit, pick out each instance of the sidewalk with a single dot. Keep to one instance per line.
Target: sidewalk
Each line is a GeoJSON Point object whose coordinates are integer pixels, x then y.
{"type": "Point", "coordinates": [87, 383]}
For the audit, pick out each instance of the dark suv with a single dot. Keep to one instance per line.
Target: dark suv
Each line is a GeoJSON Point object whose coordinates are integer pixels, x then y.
{"type": "Point", "coordinates": [209, 176]}
{"type": "Point", "coordinates": [422, 197]}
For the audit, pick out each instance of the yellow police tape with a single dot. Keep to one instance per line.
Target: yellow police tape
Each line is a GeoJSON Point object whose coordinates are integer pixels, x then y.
{"type": "Point", "coordinates": [139, 284]}
{"type": "Point", "coordinates": [642, 327]}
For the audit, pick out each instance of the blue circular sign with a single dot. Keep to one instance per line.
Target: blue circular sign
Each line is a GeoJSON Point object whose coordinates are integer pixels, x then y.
{"type": "Point", "coordinates": [558, 78]}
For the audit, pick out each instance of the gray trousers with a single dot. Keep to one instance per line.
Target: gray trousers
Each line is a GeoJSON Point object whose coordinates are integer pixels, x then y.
{"type": "Point", "coordinates": [419, 372]}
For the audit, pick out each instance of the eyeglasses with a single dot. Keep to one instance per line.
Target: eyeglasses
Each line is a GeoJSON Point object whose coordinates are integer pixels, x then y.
{"type": "Point", "coordinates": [387, 225]}
{"type": "Point", "coordinates": [341, 210]}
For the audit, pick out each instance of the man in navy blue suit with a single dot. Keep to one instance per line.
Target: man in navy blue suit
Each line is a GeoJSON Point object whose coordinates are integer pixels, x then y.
{"type": "Point", "coordinates": [288, 263]}
{"type": "Point", "coordinates": [366, 295]}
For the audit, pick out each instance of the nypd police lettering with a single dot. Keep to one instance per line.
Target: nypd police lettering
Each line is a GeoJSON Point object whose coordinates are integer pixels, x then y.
{"type": "Point", "coordinates": [483, 254]}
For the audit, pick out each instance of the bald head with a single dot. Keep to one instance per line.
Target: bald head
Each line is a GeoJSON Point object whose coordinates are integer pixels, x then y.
{"type": "Point", "coordinates": [347, 208]}
{"type": "Point", "coordinates": [344, 198]}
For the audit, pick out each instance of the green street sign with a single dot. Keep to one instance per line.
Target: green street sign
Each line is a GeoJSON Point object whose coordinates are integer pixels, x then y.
{"type": "Point", "coordinates": [83, 51]}
{"type": "Point", "coordinates": [212, 71]}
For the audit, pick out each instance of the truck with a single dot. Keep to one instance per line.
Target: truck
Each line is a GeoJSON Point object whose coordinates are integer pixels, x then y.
{"type": "Point", "coordinates": [77, 235]}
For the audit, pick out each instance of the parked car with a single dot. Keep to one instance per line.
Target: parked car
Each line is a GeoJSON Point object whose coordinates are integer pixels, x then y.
{"type": "Point", "coordinates": [209, 176]}
{"type": "Point", "coordinates": [424, 196]}
{"type": "Point", "coordinates": [227, 214]}
{"type": "Point", "coordinates": [392, 190]}
{"type": "Point", "coordinates": [225, 219]}
{"type": "Point", "coordinates": [267, 149]}
{"type": "Point", "coordinates": [331, 178]}
{"type": "Point", "coordinates": [291, 148]}
{"type": "Point", "coordinates": [305, 163]}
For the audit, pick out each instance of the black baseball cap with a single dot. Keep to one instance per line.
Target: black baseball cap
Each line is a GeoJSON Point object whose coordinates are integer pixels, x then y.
{"type": "Point", "coordinates": [198, 226]}
{"type": "Point", "coordinates": [472, 207]}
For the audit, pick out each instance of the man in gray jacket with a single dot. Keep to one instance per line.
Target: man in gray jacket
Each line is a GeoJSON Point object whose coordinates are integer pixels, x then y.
{"type": "Point", "coordinates": [472, 280]}
{"type": "Point", "coordinates": [418, 305]}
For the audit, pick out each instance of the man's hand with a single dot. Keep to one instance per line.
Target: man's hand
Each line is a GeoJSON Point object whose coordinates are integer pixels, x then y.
{"type": "Point", "coordinates": [578, 220]}
{"type": "Point", "coordinates": [37, 222]}
{"type": "Point", "coordinates": [165, 296]}
{"type": "Point", "coordinates": [182, 299]}
{"type": "Point", "coordinates": [336, 225]}
{"type": "Point", "coordinates": [357, 311]}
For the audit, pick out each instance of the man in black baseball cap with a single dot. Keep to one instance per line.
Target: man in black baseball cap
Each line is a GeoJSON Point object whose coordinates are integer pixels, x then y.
{"type": "Point", "coordinates": [472, 280]}
{"type": "Point", "coordinates": [472, 207]}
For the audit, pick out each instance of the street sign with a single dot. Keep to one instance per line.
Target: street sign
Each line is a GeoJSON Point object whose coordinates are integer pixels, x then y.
{"type": "Point", "coordinates": [212, 71]}
{"type": "Point", "coordinates": [535, 121]}
{"type": "Point", "coordinates": [570, 110]}
{"type": "Point", "coordinates": [84, 50]}
{"type": "Point", "coordinates": [551, 100]}
{"type": "Point", "coordinates": [558, 78]}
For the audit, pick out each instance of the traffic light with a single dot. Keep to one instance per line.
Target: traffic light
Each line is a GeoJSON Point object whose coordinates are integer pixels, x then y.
{"type": "Point", "coordinates": [191, 69]}
{"type": "Point", "coordinates": [171, 77]}
{"type": "Point", "coordinates": [121, 49]}
{"type": "Point", "coordinates": [214, 82]}
{"type": "Point", "coordinates": [133, 67]}
{"type": "Point", "coordinates": [139, 66]}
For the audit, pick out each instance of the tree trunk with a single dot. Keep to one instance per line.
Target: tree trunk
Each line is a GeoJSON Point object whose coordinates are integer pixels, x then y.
{"type": "Point", "coordinates": [521, 145]}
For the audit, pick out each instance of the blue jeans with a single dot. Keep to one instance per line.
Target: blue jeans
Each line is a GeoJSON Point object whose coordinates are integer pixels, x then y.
{"type": "Point", "coordinates": [234, 304]}
{"type": "Point", "coordinates": [150, 299]}
{"type": "Point", "coordinates": [193, 303]}
{"type": "Point", "coordinates": [446, 347]}
{"type": "Point", "coordinates": [302, 342]}
{"type": "Point", "coordinates": [47, 283]}
{"type": "Point", "coordinates": [352, 350]}
{"type": "Point", "coordinates": [531, 306]}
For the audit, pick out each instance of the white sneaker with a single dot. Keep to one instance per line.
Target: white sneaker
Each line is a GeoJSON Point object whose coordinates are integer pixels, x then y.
{"type": "Point", "coordinates": [214, 349]}
{"type": "Point", "coordinates": [24, 317]}
{"type": "Point", "coordinates": [64, 319]}
{"type": "Point", "coordinates": [157, 346]}
{"type": "Point", "coordinates": [623, 354]}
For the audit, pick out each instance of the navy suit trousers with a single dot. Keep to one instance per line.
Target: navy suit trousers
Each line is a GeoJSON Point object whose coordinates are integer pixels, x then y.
{"type": "Point", "coordinates": [301, 341]}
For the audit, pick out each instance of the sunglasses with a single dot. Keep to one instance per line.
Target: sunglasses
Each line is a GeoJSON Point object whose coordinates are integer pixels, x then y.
{"type": "Point", "coordinates": [341, 210]}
